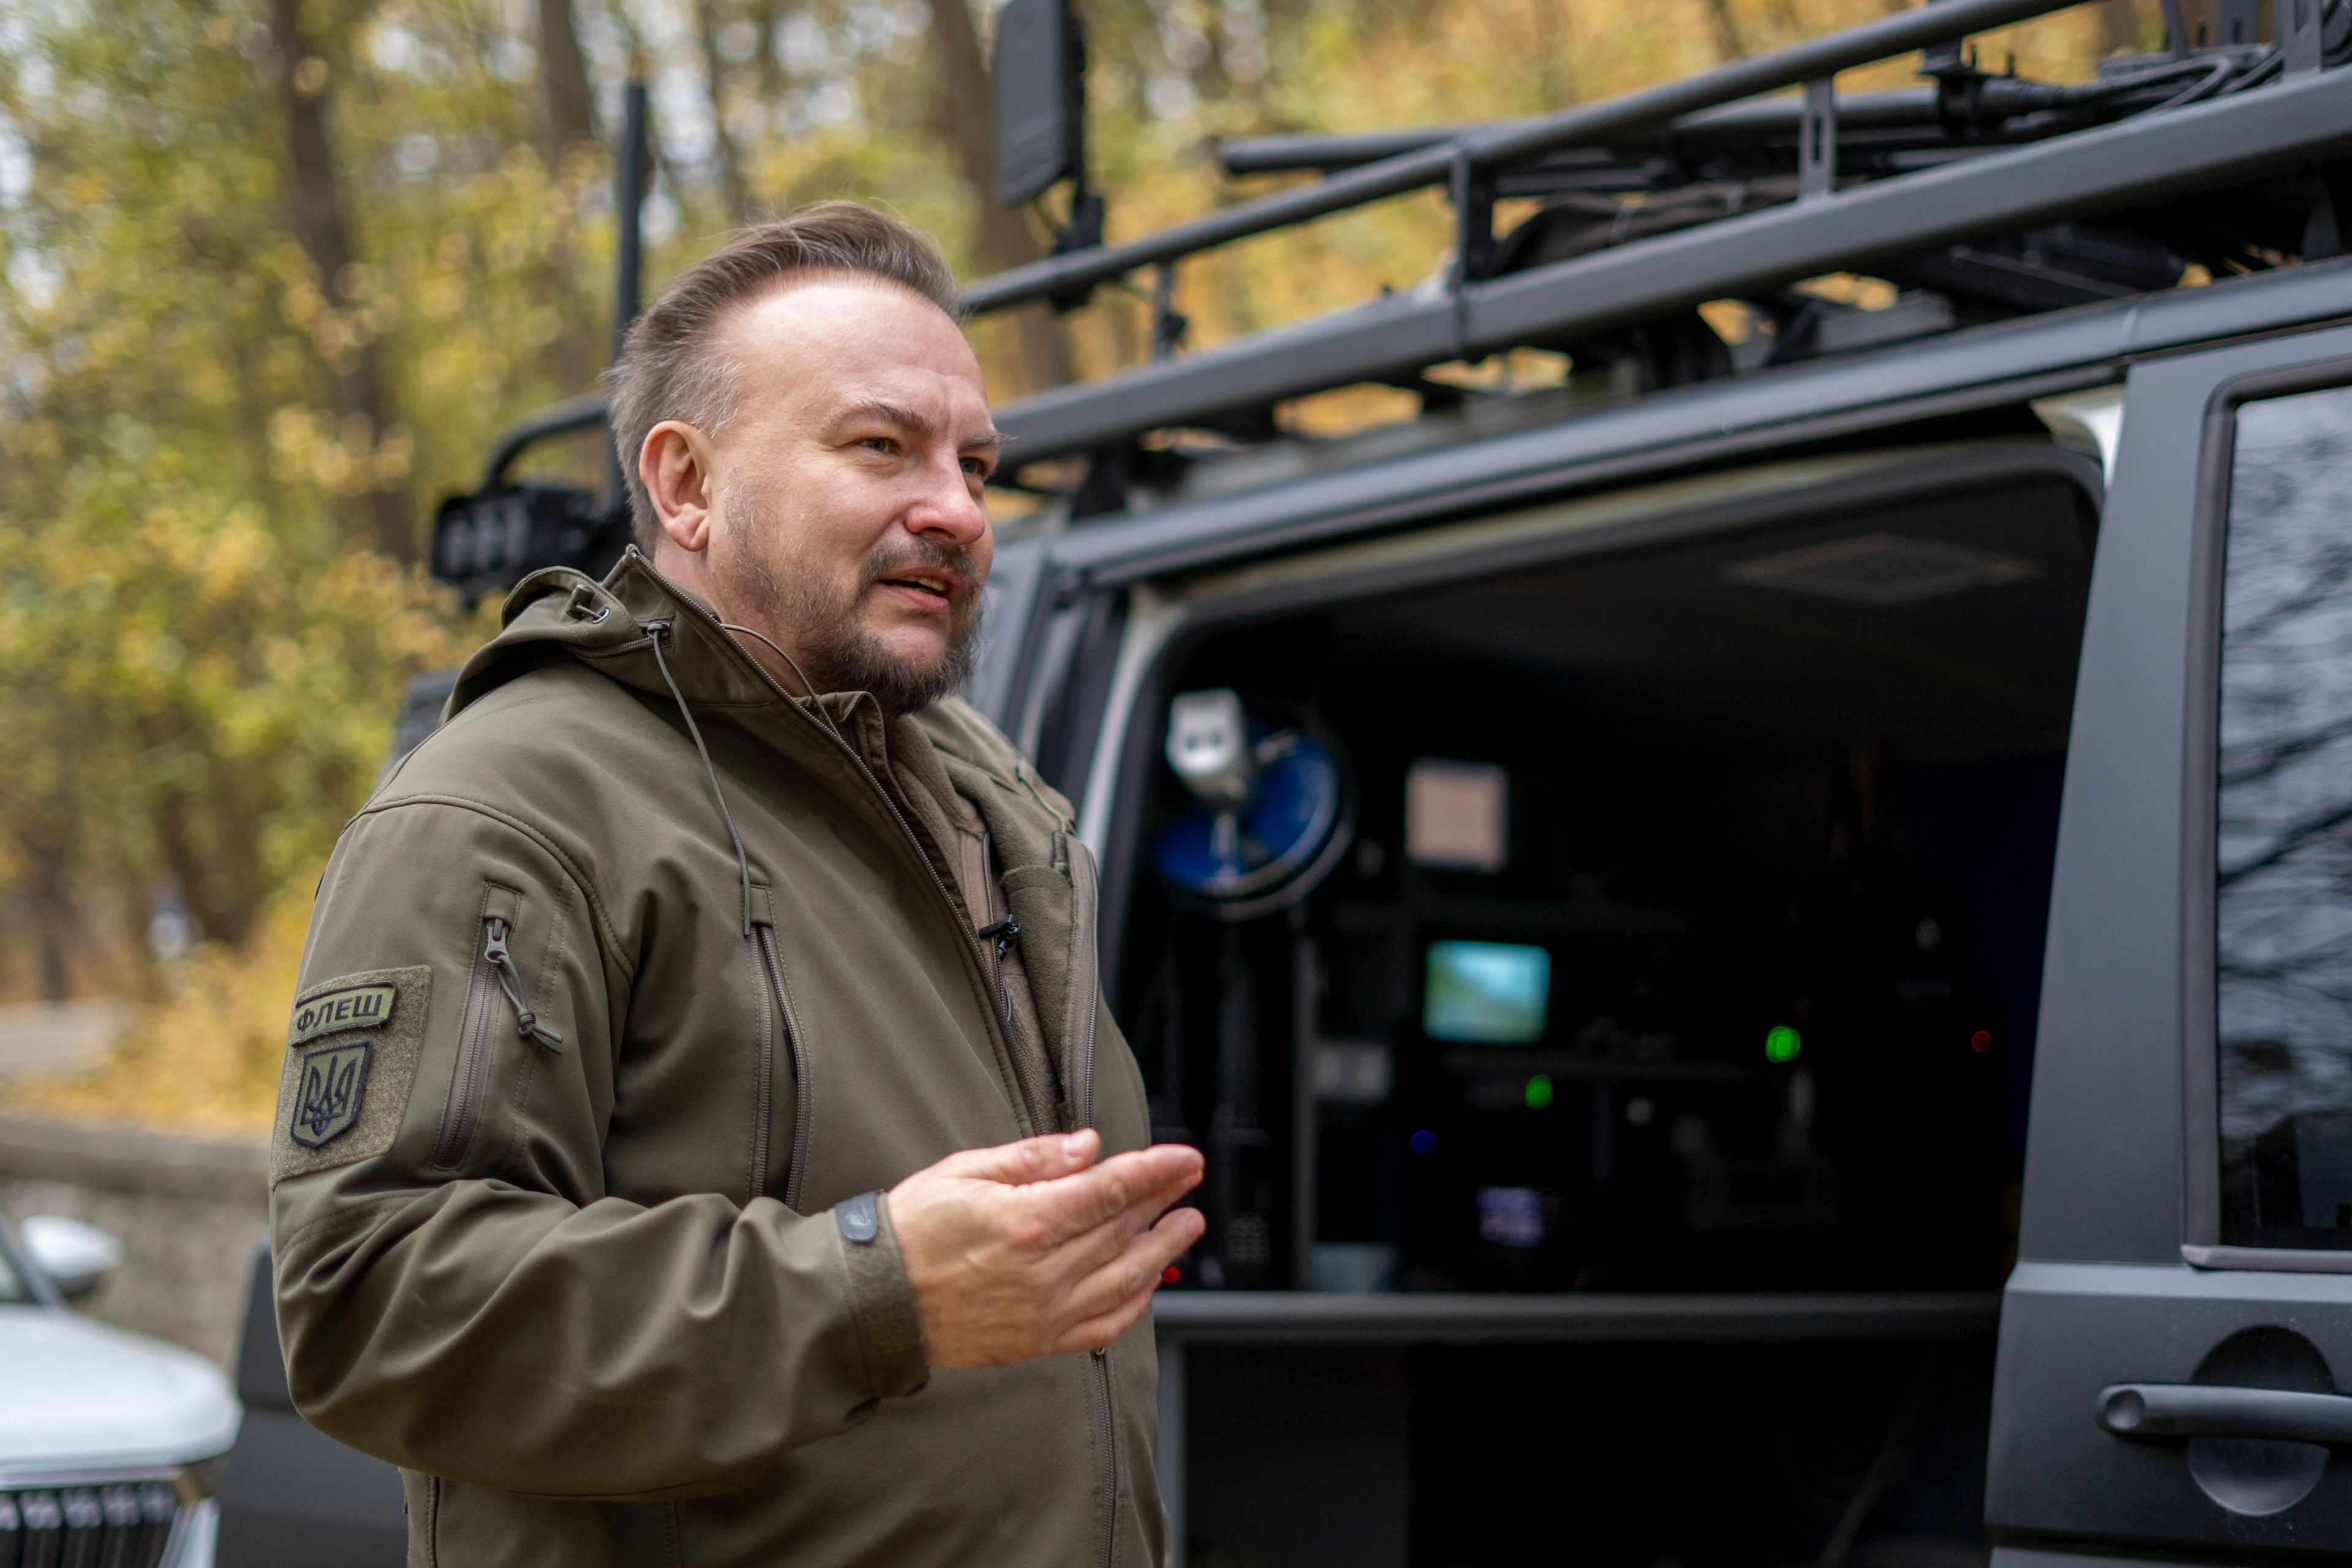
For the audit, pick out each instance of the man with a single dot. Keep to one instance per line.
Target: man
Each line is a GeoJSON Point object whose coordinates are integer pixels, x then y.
{"type": "Point", "coordinates": [702, 1140]}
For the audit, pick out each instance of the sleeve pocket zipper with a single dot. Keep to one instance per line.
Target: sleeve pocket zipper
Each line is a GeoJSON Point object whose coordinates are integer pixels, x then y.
{"type": "Point", "coordinates": [786, 1029]}
{"type": "Point", "coordinates": [494, 971]}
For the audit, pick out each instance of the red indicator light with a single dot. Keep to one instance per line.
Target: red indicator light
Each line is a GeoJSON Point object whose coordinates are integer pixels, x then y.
{"type": "Point", "coordinates": [1982, 1041]}
{"type": "Point", "coordinates": [1169, 1275]}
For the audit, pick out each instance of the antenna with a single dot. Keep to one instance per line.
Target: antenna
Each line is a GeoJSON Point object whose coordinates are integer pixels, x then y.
{"type": "Point", "coordinates": [628, 208]}
{"type": "Point", "coordinates": [628, 211]}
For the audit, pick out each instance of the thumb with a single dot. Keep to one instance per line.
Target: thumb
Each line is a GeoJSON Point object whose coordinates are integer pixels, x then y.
{"type": "Point", "coordinates": [1030, 1160]}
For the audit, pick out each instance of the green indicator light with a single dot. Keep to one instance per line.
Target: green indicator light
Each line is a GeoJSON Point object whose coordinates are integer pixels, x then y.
{"type": "Point", "coordinates": [1538, 1092]}
{"type": "Point", "coordinates": [1780, 1044]}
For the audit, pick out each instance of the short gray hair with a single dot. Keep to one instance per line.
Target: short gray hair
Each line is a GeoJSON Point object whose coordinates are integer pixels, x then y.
{"type": "Point", "coordinates": [667, 368]}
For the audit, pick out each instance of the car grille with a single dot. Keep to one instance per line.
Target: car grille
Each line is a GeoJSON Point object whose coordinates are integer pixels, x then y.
{"type": "Point", "coordinates": [119, 1526]}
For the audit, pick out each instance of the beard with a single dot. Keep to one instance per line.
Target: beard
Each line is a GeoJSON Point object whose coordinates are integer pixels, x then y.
{"type": "Point", "coordinates": [822, 625]}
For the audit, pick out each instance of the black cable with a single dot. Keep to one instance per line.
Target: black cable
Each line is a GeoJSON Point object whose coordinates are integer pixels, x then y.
{"type": "Point", "coordinates": [658, 630]}
{"type": "Point", "coordinates": [807, 685]}
{"type": "Point", "coordinates": [2198, 90]}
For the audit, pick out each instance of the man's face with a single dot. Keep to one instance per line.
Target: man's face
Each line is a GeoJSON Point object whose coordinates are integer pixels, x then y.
{"type": "Point", "coordinates": [845, 513]}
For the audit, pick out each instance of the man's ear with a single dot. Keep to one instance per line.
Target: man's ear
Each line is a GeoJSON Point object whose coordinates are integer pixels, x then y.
{"type": "Point", "coordinates": [675, 465]}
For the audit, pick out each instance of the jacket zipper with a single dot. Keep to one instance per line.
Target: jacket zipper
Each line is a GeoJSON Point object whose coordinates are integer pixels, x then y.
{"type": "Point", "coordinates": [494, 948]}
{"type": "Point", "coordinates": [970, 940]}
{"type": "Point", "coordinates": [1003, 932]}
{"type": "Point", "coordinates": [1106, 1528]}
{"type": "Point", "coordinates": [1085, 1003]}
{"type": "Point", "coordinates": [788, 1027]}
{"type": "Point", "coordinates": [763, 1093]}
{"type": "Point", "coordinates": [472, 1052]}
{"type": "Point", "coordinates": [494, 971]}
{"type": "Point", "coordinates": [1097, 1362]}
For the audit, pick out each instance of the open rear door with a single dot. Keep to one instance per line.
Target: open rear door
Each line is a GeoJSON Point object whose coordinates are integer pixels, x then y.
{"type": "Point", "coordinates": [2176, 1345]}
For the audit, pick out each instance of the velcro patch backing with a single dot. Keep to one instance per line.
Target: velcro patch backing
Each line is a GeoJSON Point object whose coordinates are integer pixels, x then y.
{"type": "Point", "coordinates": [351, 1059]}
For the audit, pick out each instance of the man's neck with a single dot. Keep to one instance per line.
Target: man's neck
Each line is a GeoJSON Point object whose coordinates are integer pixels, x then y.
{"type": "Point", "coordinates": [766, 654]}
{"type": "Point", "coordinates": [691, 570]}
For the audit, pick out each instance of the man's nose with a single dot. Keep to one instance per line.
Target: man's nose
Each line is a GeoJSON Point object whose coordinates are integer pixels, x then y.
{"type": "Point", "coordinates": [946, 509]}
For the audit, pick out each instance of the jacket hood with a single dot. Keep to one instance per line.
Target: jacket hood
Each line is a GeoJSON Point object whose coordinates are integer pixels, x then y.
{"type": "Point", "coordinates": [638, 628]}
{"type": "Point", "coordinates": [565, 613]}
{"type": "Point", "coordinates": [613, 627]}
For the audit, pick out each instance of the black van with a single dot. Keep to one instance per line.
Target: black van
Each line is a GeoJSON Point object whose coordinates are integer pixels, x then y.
{"type": "Point", "coordinates": [1759, 939]}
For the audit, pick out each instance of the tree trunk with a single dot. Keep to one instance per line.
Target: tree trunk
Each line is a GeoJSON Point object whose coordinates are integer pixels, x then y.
{"type": "Point", "coordinates": [53, 921]}
{"type": "Point", "coordinates": [666, 171]}
{"type": "Point", "coordinates": [1728, 45]}
{"type": "Point", "coordinates": [731, 182]}
{"type": "Point", "coordinates": [564, 80]}
{"type": "Point", "coordinates": [2119, 27]}
{"type": "Point", "coordinates": [571, 106]}
{"type": "Point", "coordinates": [961, 118]}
{"type": "Point", "coordinates": [315, 200]}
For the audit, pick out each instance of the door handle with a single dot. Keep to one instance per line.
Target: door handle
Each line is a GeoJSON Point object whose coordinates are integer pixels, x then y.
{"type": "Point", "coordinates": [2210, 1410]}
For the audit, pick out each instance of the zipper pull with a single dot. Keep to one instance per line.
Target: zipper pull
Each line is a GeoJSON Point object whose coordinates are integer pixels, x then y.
{"type": "Point", "coordinates": [1003, 930]}
{"type": "Point", "coordinates": [494, 953]}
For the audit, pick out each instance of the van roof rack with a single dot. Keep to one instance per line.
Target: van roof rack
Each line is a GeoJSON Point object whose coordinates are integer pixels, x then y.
{"type": "Point", "coordinates": [1663, 199]}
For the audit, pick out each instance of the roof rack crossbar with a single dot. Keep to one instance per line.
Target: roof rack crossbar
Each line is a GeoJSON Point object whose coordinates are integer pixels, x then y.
{"type": "Point", "coordinates": [1487, 147]}
{"type": "Point", "coordinates": [556, 419]}
{"type": "Point", "coordinates": [1245, 155]}
{"type": "Point", "coordinates": [2306, 120]}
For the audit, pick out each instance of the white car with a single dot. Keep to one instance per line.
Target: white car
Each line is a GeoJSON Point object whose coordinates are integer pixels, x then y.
{"type": "Point", "coordinates": [108, 1441]}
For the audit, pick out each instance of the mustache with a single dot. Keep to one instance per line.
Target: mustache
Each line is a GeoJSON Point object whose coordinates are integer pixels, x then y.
{"type": "Point", "coordinates": [924, 554]}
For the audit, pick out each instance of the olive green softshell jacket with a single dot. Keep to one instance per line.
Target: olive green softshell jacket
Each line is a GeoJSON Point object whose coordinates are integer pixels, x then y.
{"type": "Point", "coordinates": [559, 1140]}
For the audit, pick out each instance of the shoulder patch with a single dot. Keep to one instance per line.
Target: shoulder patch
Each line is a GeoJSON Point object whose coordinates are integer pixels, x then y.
{"type": "Point", "coordinates": [350, 1059]}
{"type": "Point", "coordinates": [332, 1089]}
{"type": "Point", "coordinates": [342, 1010]}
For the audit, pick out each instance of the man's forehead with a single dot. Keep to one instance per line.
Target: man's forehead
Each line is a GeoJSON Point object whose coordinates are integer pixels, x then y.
{"type": "Point", "coordinates": [817, 351]}
{"type": "Point", "coordinates": [837, 321]}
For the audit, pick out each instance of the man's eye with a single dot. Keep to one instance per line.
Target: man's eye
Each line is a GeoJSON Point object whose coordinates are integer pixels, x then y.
{"type": "Point", "coordinates": [882, 443]}
{"type": "Point", "coordinates": [978, 468]}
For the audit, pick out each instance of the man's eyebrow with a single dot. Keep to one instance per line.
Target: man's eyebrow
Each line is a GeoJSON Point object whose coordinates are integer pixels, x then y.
{"type": "Point", "coordinates": [885, 412]}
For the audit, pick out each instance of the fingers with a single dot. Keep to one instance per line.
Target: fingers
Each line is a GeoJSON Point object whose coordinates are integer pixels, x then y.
{"type": "Point", "coordinates": [1147, 1179]}
{"type": "Point", "coordinates": [1075, 1257]}
{"type": "Point", "coordinates": [1110, 1299]}
{"type": "Point", "coordinates": [1044, 1159]}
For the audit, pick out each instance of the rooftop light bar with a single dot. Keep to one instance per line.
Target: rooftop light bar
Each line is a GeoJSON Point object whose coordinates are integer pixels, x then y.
{"type": "Point", "coordinates": [1488, 147]}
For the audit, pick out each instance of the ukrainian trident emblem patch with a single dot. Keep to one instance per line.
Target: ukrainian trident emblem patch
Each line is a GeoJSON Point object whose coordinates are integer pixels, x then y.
{"type": "Point", "coordinates": [333, 1084]}
{"type": "Point", "coordinates": [352, 1043]}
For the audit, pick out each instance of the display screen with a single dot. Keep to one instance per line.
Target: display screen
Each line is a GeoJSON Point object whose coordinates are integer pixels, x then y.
{"type": "Point", "coordinates": [1494, 993]}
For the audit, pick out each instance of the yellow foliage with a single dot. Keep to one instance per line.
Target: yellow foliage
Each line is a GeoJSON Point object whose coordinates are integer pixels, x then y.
{"type": "Point", "coordinates": [204, 1057]}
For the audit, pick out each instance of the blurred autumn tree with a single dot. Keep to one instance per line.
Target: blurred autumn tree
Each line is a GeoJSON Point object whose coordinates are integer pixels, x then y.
{"type": "Point", "coordinates": [272, 272]}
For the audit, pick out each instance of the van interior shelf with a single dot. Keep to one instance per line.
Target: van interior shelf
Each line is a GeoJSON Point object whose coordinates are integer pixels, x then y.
{"type": "Point", "coordinates": [1292, 1317]}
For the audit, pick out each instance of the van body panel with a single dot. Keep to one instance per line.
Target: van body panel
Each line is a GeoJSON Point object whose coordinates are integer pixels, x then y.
{"type": "Point", "coordinates": [2103, 1296]}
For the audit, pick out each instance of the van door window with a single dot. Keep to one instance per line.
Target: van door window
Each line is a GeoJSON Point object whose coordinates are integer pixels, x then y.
{"type": "Point", "coordinates": [2283, 907]}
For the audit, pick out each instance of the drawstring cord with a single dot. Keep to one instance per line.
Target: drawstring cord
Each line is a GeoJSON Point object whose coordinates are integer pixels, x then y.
{"type": "Point", "coordinates": [658, 630]}
{"type": "Point", "coordinates": [806, 684]}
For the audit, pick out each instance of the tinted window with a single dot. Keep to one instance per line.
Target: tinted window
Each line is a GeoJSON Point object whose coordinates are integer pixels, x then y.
{"type": "Point", "coordinates": [2283, 862]}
